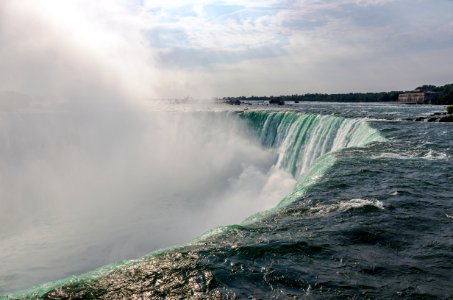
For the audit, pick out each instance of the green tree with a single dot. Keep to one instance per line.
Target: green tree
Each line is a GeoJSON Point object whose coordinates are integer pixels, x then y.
{"type": "Point", "coordinates": [450, 109]}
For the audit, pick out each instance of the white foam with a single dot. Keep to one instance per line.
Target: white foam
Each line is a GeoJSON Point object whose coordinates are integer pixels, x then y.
{"type": "Point", "coordinates": [345, 205]}
{"type": "Point", "coordinates": [430, 155]}
{"type": "Point", "coordinates": [435, 155]}
{"type": "Point", "coordinates": [393, 155]}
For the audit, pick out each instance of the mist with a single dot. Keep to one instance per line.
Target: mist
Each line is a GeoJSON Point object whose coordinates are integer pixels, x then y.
{"type": "Point", "coordinates": [90, 171]}
{"type": "Point", "coordinates": [80, 192]}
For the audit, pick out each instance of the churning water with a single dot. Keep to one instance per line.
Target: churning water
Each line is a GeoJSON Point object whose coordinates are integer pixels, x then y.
{"type": "Point", "coordinates": [332, 201]}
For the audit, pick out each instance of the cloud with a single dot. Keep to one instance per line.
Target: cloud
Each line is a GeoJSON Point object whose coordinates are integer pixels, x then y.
{"type": "Point", "coordinates": [179, 48]}
{"type": "Point", "coordinates": [312, 41]}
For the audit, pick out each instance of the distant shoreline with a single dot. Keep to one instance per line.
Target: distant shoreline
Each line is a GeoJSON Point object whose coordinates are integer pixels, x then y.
{"type": "Point", "coordinates": [445, 97]}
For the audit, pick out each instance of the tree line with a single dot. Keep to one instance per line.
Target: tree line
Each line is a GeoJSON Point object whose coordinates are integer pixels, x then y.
{"type": "Point", "coordinates": [445, 92]}
{"type": "Point", "coordinates": [445, 96]}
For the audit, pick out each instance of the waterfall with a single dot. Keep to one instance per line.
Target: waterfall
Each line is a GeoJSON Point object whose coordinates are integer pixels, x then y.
{"type": "Point", "coordinates": [300, 139]}
{"type": "Point", "coordinates": [303, 143]}
{"type": "Point", "coordinates": [297, 144]}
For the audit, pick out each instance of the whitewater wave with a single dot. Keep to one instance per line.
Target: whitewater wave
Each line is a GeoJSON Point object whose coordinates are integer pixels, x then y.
{"type": "Point", "coordinates": [436, 155]}
{"type": "Point", "coordinates": [428, 155]}
{"type": "Point", "coordinates": [323, 209]}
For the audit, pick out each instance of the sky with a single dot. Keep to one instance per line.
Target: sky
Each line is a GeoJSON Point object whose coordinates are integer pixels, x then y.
{"type": "Point", "coordinates": [215, 48]}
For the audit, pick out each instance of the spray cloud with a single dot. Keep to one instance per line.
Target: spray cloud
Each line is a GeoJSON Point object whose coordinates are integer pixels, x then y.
{"type": "Point", "coordinates": [90, 174]}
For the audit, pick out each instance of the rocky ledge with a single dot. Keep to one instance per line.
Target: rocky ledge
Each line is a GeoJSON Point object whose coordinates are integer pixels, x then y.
{"type": "Point", "coordinates": [435, 117]}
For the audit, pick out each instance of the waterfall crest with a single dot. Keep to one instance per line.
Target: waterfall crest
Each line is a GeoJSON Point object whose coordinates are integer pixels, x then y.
{"type": "Point", "coordinates": [300, 139]}
{"type": "Point", "coordinates": [303, 142]}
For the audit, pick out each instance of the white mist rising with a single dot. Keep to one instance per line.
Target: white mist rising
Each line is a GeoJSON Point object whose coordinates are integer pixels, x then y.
{"type": "Point", "coordinates": [80, 191]}
{"type": "Point", "coordinates": [88, 174]}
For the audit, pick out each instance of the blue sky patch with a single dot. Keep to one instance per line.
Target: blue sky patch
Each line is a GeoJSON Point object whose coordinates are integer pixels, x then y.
{"type": "Point", "coordinates": [217, 10]}
{"type": "Point", "coordinates": [167, 38]}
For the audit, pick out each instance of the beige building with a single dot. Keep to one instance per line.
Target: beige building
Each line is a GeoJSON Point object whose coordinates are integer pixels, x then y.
{"type": "Point", "coordinates": [418, 97]}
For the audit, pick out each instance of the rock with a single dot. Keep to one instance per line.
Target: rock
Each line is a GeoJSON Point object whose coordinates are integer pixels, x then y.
{"type": "Point", "coordinates": [446, 118]}
{"type": "Point", "coordinates": [278, 101]}
{"type": "Point", "coordinates": [234, 102]}
{"type": "Point", "coordinates": [435, 117]}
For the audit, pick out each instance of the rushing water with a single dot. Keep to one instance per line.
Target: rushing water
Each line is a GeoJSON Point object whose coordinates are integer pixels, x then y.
{"type": "Point", "coordinates": [369, 214]}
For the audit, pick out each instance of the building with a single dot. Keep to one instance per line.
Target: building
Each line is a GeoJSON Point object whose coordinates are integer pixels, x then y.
{"type": "Point", "coordinates": [418, 97]}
